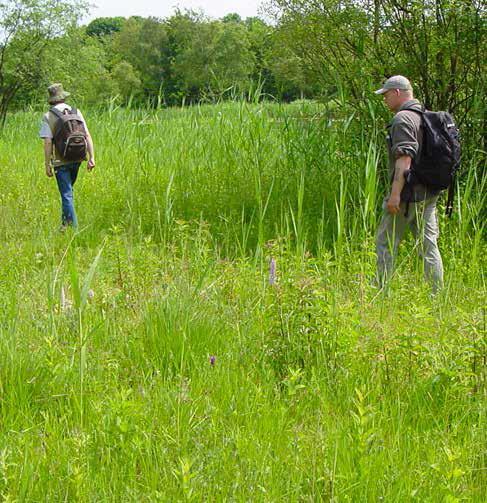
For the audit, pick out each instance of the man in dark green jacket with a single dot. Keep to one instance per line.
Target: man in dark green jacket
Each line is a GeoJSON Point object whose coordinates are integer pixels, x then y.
{"type": "Point", "coordinates": [404, 142]}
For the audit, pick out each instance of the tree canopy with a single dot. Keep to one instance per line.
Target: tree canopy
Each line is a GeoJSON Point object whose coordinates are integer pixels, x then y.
{"type": "Point", "coordinates": [315, 48]}
{"type": "Point", "coordinates": [27, 27]}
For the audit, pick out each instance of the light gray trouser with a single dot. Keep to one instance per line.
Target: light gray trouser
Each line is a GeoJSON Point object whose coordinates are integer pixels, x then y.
{"type": "Point", "coordinates": [423, 223]}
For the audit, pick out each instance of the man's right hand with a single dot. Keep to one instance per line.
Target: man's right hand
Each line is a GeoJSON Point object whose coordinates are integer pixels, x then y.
{"type": "Point", "coordinates": [49, 172]}
{"type": "Point", "coordinates": [393, 204]}
{"type": "Point", "coordinates": [91, 164]}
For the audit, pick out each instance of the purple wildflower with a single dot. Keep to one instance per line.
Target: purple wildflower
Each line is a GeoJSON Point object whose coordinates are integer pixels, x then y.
{"type": "Point", "coordinates": [272, 271]}
{"type": "Point", "coordinates": [212, 360]}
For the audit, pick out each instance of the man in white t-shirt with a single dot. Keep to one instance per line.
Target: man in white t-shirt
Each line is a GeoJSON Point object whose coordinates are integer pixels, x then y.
{"type": "Point", "coordinates": [66, 171]}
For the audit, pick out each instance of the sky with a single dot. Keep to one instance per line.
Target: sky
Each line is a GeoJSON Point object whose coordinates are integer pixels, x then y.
{"type": "Point", "coordinates": [164, 8]}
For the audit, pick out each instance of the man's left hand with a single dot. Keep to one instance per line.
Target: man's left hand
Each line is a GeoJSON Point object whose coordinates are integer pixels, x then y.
{"type": "Point", "coordinates": [393, 204]}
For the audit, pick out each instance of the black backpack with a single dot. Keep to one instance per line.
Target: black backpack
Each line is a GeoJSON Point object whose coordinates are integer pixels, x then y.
{"type": "Point", "coordinates": [438, 160]}
{"type": "Point", "coordinates": [69, 135]}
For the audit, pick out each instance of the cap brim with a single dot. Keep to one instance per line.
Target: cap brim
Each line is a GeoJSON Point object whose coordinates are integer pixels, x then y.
{"type": "Point", "coordinates": [381, 91]}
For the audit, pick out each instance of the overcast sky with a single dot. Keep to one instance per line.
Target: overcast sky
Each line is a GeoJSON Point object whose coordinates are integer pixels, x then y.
{"type": "Point", "coordinates": [164, 8]}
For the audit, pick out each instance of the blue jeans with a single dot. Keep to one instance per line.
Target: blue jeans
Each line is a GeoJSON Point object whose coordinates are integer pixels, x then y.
{"type": "Point", "coordinates": [66, 177]}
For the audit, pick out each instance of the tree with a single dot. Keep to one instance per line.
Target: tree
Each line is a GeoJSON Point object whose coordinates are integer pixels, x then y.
{"type": "Point", "coordinates": [127, 80]}
{"type": "Point", "coordinates": [193, 65]}
{"type": "Point", "coordinates": [330, 40]}
{"type": "Point", "coordinates": [439, 44]}
{"type": "Point", "coordinates": [105, 26]}
{"type": "Point", "coordinates": [210, 57]}
{"type": "Point", "coordinates": [443, 43]}
{"type": "Point", "coordinates": [185, 79]}
{"type": "Point", "coordinates": [83, 67]}
{"type": "Point", "coordinates": [232, 18]}
{"type": "Point", "coordinates": [260, 37]}
{"type": "Point", "coordinates": [26, 27]}
{"type": "Point", "coordinates": [141, 43]}
{"type": "Point", "coordinates": [290, 74]}
{"type": "Point", "coordinates": [233, 61]}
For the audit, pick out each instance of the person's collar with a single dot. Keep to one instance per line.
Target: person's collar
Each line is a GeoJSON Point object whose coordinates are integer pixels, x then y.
{"type": "Point", "coordinates": [408, 104]}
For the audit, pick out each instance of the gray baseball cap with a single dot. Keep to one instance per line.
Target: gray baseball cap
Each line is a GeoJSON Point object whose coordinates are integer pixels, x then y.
{"type": "Point", "coordinates": [395, 82]}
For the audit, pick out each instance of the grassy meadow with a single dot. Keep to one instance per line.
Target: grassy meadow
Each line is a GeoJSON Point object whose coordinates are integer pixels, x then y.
{"type": "Point", "coordinates": [212, 333]}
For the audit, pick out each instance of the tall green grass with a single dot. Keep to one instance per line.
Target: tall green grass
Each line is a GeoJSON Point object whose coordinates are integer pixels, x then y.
{"type": "Point", "coordinates": [148, 357]}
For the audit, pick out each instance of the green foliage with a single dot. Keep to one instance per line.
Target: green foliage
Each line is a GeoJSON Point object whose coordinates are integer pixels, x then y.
{"type": "Point", "coordinates": [232, 18]}
{"type": "Point", "coordinates": [289, 72]}
{"type": "Point", "coordinates": [186, 57]}
{"type": "Point", "coordinates": [79, 62]}
{"type": "Point", "coordinates": [193, 42]}
{"type": "Point", "coordinates": [437, 44]}
{"type": "Point", "coordinates": [234, 61]}
{"type": "Point", "coordinates": [141, 44]}
{"type": "Point", "coordinates": [26, 26]}
{"type": "Point", "coordinates": [103, 26]}
{"type": "Point", "coordinates": [127, 80]}
{"type": "Point", "coordinates": [325, 49]}
{"type": "Point", "coordinates": [320, 389]}
{"type": "Point", "coordinates": [210, 57]}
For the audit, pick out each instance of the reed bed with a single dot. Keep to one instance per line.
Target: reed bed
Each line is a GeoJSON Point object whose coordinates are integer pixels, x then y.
{"type": "Point", "coordinates": [212, 332]}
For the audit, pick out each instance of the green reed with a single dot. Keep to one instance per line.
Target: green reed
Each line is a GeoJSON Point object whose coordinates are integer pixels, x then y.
{"type": "Point", "coordinates": [157, 356]}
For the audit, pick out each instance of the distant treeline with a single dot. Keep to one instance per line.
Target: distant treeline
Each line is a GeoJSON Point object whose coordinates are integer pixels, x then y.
{"type": "Point", "coordinates": [312, 49]}
{"type": "Point", "coordinates": [185, 58]}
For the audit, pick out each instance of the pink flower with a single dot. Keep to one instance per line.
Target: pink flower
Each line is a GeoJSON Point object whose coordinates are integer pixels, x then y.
{"type": "Point", "coordinates": [272, 271]}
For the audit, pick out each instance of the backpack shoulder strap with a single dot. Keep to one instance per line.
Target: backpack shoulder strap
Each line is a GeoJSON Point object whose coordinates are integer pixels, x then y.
{"type": "Point", "coordinates": [60, 114]}
{"type": "Point", "coordinates": [420, 112]}
{"type": "Point", "coordinates": [56, 112]}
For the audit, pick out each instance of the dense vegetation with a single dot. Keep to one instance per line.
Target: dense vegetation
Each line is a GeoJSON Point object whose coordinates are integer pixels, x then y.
{"type": "Point", "coordinates": [212, 332]}
{"type": "Point", "coordinates": [314, 49]}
